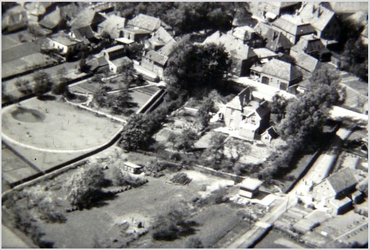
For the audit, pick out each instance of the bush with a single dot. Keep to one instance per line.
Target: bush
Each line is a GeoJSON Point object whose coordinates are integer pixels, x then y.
{"type": "Point", "coordinates": [181, 178]}
{"type": "Point", "coordinates": [121, 178]}
{"type": "Point", "coordinates": [194, 242]}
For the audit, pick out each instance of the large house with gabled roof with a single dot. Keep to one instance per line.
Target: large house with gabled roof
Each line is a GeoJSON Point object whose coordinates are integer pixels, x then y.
{"type": "Point", "coordinates": [322, 20]}
{"type": "Point", "coordinates": [279, 74]}
{"type": "Point", "coordinates": [247, 114]}
{"type": "Point", "coordinates": [292, 27]}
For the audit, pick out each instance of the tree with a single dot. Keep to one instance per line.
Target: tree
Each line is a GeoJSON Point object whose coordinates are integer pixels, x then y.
{"type": "Point", "coordinates": [195, 67]}
{"type": "Point", "coordinates": [186, 140]}
{"type": "Point", "coordinates": [136, 133]}
{"type": "Point", "coordinates": [119, 102]}
{"type": "Point", "coordinates": [61, 88]}
{"type": "Point", "coordinates": [24, 86]}
{"type": "Point", "coordinates": [278, 108]}
{"type": "Point", "coordinates": [85, 186]}
{"type": "Point", "coordinates": [43, 83]}
{"type": "Point", "coordinates": [204, 111]}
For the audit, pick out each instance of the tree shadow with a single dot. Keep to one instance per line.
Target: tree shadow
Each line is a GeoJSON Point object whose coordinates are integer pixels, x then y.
{"type": "Point", "coordinates": [46, 98]}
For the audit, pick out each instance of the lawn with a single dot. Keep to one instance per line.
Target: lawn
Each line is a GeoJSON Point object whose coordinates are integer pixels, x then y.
{"type": "Point", "coordinates": [48, 133]}
{"type": "Point", "coordinates": [13, 168]}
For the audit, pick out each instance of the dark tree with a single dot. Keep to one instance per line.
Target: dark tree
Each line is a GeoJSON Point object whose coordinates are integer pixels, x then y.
{"type": "Point", "coordinates": [195, 67]}
{"type": "Point", "coordinates": [24, 86]}
{"type": "Point", "coordinates": [43, 83]}
{"type": "Point", "coordinates": [136, 133]}
{"type": "Point", "coordinates": [278, 108]}
{"type": "Point", "coordinates": [204, 111]}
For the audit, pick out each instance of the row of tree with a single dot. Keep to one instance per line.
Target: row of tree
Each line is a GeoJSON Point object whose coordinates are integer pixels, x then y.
{"type": "Point", "coordinates": [186, 17]}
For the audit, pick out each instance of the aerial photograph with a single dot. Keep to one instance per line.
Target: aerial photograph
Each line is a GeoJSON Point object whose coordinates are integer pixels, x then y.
{"type": "Point", "coordinates": [184, 124]}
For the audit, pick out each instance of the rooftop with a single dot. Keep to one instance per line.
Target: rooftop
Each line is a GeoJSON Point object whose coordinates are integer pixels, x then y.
{"type": "Point", "coordinates": [306, 61]}
{"type": "Point", "coordinates": [145, 22]}
{"type": "Point", "coordinates": [156, 57]}
{"type": "Point", "coordinates": [281, 69]}
{"type": "Point", "coordinates": [250, 183]}
{"type": "Point", "coordinates": [64, 39]}
{"type": "Point", "coordinates": [263, 52]}
{"type": "Point", "coordinates": [318, 16]}
{"type": "Point", "coordinates": [342, 180]}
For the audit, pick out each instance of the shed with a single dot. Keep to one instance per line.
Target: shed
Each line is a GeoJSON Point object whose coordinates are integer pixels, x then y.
{"type": "Point", "coordinates": [340, 206]}
{"type": "Point", "coordinates": [249, 187]}
{"type": "Point", "coordinates": [132, 167]}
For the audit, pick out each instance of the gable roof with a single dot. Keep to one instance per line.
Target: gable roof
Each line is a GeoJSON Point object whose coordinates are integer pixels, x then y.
{"type": "Point", "coordinates": [84, 32]}
{"type": "Point", "coordinates": [52, 20]}
{"type": "Point", "coordinates": [15, 16]}
{"type": "Point", "coordinates": [264, 53]}
{"type": "Point", "coordinates": [242, 32]}
{"type": "Point", "coordinates": [85, 18]}
{"type": "Point", "coordinates": [236, 48]}
{"type": "Point", "coordinates": [97, 62]}
{"type": "Point", "coordinates": [64, 39]}
{"type": "Point", "coordinates": [121, 61]}
{"type": "Point", "coordinates": [167, 49]}
{"type": "Point", "coordinates": [293, 26]}
{"type": "Point", "coordinates": [277, 40]}
{"type": "Point", "coordinates": [342, 180]}
{"type": "Point", "coordinates": [156, 57]}
{"type": "Point", "coordinates": [145, 22]}
{"type": "Point", "coordinates": [309, 44]}
{"type": "Point", "coordinates": [318, 16]}
{"type": "Point", "coordinates": [112, 25]}
{"type": "Point", "coordinates": [271, 131]}
{"type": "Point", "coordinates": [160, 36]}
{"type": "Point", "coordinates": [281, 69]}
{"type": "Point", "coordinates": [305, 61]}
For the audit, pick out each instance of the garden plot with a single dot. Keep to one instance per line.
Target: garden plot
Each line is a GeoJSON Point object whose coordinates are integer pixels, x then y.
{"type": "Point", "coordinates": [51, 132]}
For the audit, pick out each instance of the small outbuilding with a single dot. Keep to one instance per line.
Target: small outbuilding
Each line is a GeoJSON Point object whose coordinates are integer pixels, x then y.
{"type": "Point", "coordinates": [249, 187]}
{"type": "Point", "coordinates": [132, 167]}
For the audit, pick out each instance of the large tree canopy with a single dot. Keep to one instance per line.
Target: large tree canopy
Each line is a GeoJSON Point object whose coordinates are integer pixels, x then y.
{"type": "Point", "coordinates": [193, 67]}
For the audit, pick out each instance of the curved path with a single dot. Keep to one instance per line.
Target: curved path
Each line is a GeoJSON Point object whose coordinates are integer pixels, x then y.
{"type": "Point", "coordinates": [11, 140]}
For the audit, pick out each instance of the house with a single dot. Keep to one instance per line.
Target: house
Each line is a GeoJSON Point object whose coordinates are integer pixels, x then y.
{"type": "Point", "coordinates": [140, 28]}
{"type": "Point", "coordinates": [53, 21]}
{"type": "Point", "coordinates": [247, 35]}
{"type": "Point", "coordinates": [117, 65]}
{"type": "Point", "coordinates": [340, 206]}
{"type": "Point", "coordinates": [113, 26]}
{"type": "Point", "coordinates": [98, 64]}
{"type": "Point", "coordinates": [279, 74]}
{"type": "Point", "coordinates": [264, 55]}
{"type": "Point", "coordinates": [247, 114]}
{"type": "Point", "coordinates": [87, 17]}
{"type": "Point", "coordinates": [336, 186]}
{"type": "Point", "coordinates": [249, 187]}
{"type": "Point", "coordinates": [14, 19]}
{"type": "Point", "coordinates": [272, 9]}
{"type": "Point", "coordinates": [305, 61]}
{"type": "Point", "coordinates": [113, 52]}
{"type": "Point", "coordinates": [269, 135]}
{"type": "Point", "coordinates": [292, 27]}
{"type": "Point", "coordinates": [364, 35]}
{"type": "Point", "coordinates": [322, 20]}
{"type": "Point", "coordinates": [65, 44]}
{"type": "Point", "coordinates": [277, 41]}
{"type": "Point", "coordinates": [159, 38]}
{"type": "Point", "coordinates": [84, 34]}
{"type": "Point", "coordinates": [131, 167]}
{"type": "Point", "coordinates": [156, 61]}
{"type": "Point", "coordinates": [313, 46]}
{"type": "Point", "coordinates": [242, 55]}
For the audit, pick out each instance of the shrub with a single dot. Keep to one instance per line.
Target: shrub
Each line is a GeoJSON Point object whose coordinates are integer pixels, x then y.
{"type": "Point", "coordinates": [121, 178]}
{"type": "Point", "coordinates": [181, 178]}
{"type": "Point", "coordinates": [194, 242]}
